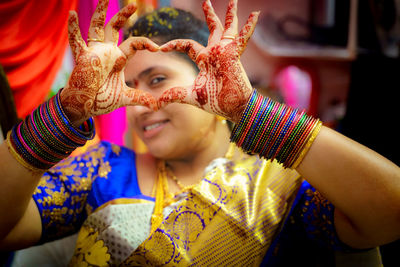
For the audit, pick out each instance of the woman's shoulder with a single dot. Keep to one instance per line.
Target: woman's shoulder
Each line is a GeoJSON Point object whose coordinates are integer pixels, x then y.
{"type": "Point", "coordinates": [101, 152]}
{"type": "Point", "coordinates": [117, 177]}
{"type": "Point", "coordinates": [102, 163]}
{"type": "Point", "coordinates": [109, 150]}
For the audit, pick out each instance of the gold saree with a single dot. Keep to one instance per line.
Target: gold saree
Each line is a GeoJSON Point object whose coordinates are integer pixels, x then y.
{"type": "Point", "coordinates": [229, 218]}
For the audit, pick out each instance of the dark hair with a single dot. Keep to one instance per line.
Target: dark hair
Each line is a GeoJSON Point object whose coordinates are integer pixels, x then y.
{"type": "Point", "coordinates": [167, 23]}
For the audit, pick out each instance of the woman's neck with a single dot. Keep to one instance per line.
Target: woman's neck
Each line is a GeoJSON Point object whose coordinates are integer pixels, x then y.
{"type": "Point", "coordinates": [190, 170]}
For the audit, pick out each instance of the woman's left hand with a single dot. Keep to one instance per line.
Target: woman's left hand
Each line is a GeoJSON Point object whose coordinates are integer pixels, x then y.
{"type": "Point", "coordinates": [222, 86]}
{"type": "Point", "coordinates": [97, 83]}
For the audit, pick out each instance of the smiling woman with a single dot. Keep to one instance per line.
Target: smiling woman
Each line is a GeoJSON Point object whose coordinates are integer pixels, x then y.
{"type": "Point", "coordinates": [195, 198]}
{"type": "Point", "coordinates": [176, 130]}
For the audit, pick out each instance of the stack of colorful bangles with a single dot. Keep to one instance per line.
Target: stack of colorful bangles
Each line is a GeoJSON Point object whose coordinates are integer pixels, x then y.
{"type": "Point", "coordinates": [46, 136]}
{"type": "Point", "coordinates": [275, 131]}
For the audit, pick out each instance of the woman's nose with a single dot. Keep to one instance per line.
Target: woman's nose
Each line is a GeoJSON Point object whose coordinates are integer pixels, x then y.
{"type": "Point", "coordinates": [138, 110]}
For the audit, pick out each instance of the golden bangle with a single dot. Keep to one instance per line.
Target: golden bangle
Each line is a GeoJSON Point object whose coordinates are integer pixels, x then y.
{"type": "Point", "coordinates": [298, 152]}
{"type": "Point", "coordinates": [18, 157]}
{"type": "Point", "coordinates": [94, 40]}
{"type": "Point", "coordinates": [307, 146]}
{"type": "Point", "coordinates": [229, 37]}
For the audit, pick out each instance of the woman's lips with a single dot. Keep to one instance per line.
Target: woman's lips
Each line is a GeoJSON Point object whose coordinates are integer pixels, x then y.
{"type": "Point", "coordinates": [152, 129]}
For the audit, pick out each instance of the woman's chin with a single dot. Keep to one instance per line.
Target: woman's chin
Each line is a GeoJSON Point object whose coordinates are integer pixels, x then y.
{"type": "Point", "coordinates": [159, 150]}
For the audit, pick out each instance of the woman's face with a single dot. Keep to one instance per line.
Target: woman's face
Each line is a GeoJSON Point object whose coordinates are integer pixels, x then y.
{"type": "Point", "coordinates": [176, 131]}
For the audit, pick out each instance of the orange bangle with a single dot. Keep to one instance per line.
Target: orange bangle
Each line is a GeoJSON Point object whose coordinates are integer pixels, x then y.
{"type": "Point", "coordinates": [18, 157]}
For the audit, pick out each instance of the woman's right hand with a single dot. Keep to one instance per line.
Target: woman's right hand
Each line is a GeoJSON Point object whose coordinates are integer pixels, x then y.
{"type": "Point", "coordinates": [97, 84]}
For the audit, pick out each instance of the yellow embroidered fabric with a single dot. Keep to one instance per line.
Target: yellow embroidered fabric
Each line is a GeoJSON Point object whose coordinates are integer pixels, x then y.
{"type": "Point", "coordinates": [89, 251]}
{"type": "Point", "coordinates": [230, 218]}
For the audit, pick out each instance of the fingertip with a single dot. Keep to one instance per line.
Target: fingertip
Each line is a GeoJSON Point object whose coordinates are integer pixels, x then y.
{"type": "Point", "coordinates": [161, 104]}
{"type": "Point", "coordinates": [155, 107]}
{"type": "Point", "coordinates": [234, 4]}
{"type": "Point", "coordinates": [207, 4]}
{"type": "Point", "coordinates": [152, 106]}
{"type": "Point", "coordinates": [72, 16]}
{"type": "Point", "coordinates": [132, 6]}
{"type": "Point", "coordinates": [251, 22]}
{"type": "Point", "coordinates": [127, 11]}
{"type": "Point", "coordinates": [153, 47]}
{"type": "Point", "coordinates": [166, 47]}
{"type": "Point", "coordinates": [256, 13]}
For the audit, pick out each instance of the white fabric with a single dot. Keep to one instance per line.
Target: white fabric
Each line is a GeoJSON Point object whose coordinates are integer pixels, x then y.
{"type": "Point", "coordinates": [53, 254]}
{"type": "Point", "coordinates": [122, 227]}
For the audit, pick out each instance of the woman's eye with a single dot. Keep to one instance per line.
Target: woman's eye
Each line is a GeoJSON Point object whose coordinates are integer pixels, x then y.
{"type": "Point", "coordinates": [157, 80]}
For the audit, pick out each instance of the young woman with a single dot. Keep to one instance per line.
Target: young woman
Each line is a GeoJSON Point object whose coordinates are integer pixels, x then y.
{"type": "Point", "coordinates": [195, 198]}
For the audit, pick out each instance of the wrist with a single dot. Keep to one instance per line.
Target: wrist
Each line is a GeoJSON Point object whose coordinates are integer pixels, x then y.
{"type": "Point", "coordinates": [47, 136]}
{"type": "Point", "coordinates": [275, 131]}
{"type": "Point", "coordinates": [240, 106]}
{"type": "Point", "coordinates": [246, 90]}
{"type": "Point", "coordinates": [75, 117]}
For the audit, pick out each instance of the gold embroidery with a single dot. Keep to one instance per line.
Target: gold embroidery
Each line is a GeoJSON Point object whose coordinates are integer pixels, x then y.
{"type": "Point", "coordinates": [104, 169]}
{"type": "Point", "coordinates": [56, 198]}
{"type": "Point", "coordinates": [89, 209]}
{"type": "Point", "coordinates": [56, 214]}
{"type": "Point", "coordinates": [116, 149]}
{"type": "Point", "coordinates": [163, 248]}
{"type": "Point", "coordinates": [318, 219]}
{"type": "Point", "coordinates": [317, 198]}
{"type": "Point", "coordinates": [89, 251]}
{"type": "Point", "coordinates": [71, 168]}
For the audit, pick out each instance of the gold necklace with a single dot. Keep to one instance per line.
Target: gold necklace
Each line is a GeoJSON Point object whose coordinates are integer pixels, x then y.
{"type": "Point", "coordinates": [161, 190]}
{"type": "Point", "coordinates": [182, 187]}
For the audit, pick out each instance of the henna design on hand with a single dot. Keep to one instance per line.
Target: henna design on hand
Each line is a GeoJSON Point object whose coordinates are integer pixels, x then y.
{"type": "Point", "coordinates": [222, 86]}
{"type": "Point", "coordinates": [97, 84]}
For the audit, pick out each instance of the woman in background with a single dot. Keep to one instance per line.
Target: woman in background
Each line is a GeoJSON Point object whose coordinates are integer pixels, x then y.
{"type": "Point", "coordinates": [195, 198]}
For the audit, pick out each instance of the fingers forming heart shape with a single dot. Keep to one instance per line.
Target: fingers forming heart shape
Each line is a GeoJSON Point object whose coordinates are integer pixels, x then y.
{"type": "Point", "coordinates": [97, 83]}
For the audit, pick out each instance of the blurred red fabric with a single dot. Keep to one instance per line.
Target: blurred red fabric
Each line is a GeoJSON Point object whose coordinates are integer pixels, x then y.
{"type": "Point", "coordinates": [33, 37]}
